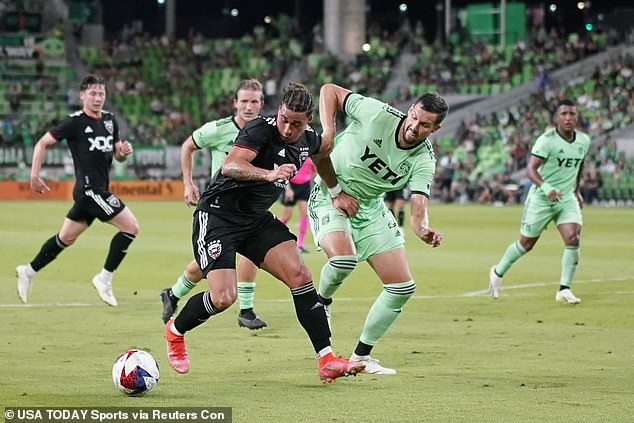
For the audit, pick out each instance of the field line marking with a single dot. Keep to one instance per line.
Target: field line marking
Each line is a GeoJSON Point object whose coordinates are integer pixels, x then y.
{"type": "Point", "coordinates": [284, 300]}
{"type": "Point", "coordinates": [533, 285]}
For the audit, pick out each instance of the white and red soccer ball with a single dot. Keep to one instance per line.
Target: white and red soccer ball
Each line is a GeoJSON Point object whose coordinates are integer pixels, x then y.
{"type": "Point", "coordinates": [135, 372]}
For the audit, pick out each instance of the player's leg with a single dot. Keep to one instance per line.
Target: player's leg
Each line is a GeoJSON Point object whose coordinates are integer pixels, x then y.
{"type": "Point", "coordinates": [302, 205]}
{"type": "Point", "coordinates": [247, 272]}
{"type": "Point", "coordinates": [284, 262]}
{"type": "Point", "coordinates": [535, 217]}
{"type": "Point", "coordinates": [198, 309]}
{"type": "Point", "coordinates": [398, 287]}
{"type": "Point", "coordinates": [125, 221]}
{"type": "Point", "coordinates": [67, 235]}
{"type": "Point", "coordinates": [332, 232]}
{"type": "Point", "coordinates": [569, 224]}
{"type": "Point", "coordinates": [183, 285]}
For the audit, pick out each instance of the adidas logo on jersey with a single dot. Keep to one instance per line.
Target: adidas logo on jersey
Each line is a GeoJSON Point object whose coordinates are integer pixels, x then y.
{"type": "Point", "coordinates": [378, 142]}
{"type": "Point", "coordinates": [88, 130]}
{"type": "Point", "coordinates": [282, 153]}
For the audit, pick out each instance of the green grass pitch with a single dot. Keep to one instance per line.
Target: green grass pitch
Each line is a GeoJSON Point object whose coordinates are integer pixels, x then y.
{"type": "Point", "coordinates": [461, 356]}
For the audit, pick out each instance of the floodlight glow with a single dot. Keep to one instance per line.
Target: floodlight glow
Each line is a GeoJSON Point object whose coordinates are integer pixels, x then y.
{"type": "Point", "coordinates": [552, 7]}
{"type": "Point", "coordinates": [268, 19]}
{"type": "Point", "coordinates": [235, 12]}
{"type": "Point", "coordinates": [402, 8]}
{"type": "Point", "coordinates": [366, 47]}
{"type": "Point", "coordinates": [581, 5]}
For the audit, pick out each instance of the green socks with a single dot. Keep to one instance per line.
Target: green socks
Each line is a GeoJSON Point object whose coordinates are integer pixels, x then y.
{"type": "Point", "coordinates": [246, 292]}
{"type": "Point", "coordinates": [334, 272]}
{"type": "Point", "coordinates": [182, 286]}
{"type": "Point", "coordinates": [569, 262]}
{"type": "Point", "coordinates": [512, 253]}
{"type": "Point", "coordinates": [385, 310]}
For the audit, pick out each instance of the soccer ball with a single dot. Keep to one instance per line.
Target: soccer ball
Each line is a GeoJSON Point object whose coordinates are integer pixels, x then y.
{"type": "Point", "coordinates": [135, 372]}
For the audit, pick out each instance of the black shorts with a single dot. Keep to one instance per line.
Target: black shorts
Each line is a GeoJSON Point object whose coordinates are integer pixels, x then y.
{"type": "Point", "coordinates": [102, 205]}
{"type": "Point", "coordinates": [300, 192]}
{"type": "Point", "coordinates": [216, 240]}
{"type": "Point", "coordinates": [399, 194]}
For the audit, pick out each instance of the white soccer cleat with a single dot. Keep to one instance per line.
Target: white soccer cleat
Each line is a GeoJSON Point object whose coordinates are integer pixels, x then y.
{"type": "Point", "coordinates": [495, 283]}
{"type": "Point", "coordinates": [372, 365]}
{"type": "Point", "coordinates": [566, 296]}
{"type": "Point", "coordinates": [24, 282]}
{"type": "Point", "coordinates": [104, 289]}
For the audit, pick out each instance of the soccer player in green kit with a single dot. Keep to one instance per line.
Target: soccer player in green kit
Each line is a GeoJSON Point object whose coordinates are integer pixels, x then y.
{"type": "Point", "coordinates": [218, 137]}
{"type": "Point", "coordinates": [383, 149]}
{"type": "Point", "coordinates": [554, 168]}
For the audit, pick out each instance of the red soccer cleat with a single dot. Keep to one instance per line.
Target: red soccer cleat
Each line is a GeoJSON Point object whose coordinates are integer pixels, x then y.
{"type": "Point", "coordinates": [331, 368]}
{"type": "Point", "coordinates": [176, 350]}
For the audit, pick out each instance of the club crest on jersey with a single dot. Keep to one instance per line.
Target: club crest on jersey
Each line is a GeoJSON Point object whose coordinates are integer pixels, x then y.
{"type": "Point", "coordinates": [109, 126]}
{"type": "Point", "coordinates": [214, 249]}
{"type": "Point", "coordinates": [113, 201]}
{"type": "Point", "coordinates": [405, 167]}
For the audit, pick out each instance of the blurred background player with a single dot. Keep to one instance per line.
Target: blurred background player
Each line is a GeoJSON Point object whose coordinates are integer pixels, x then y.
{"type": "Point", "coordinates": [92, 135]}
{"type": "Point", "coordinates": [297, 193]}
{"type": "Point", "coordinates": [555, 168]}
{"type": "Point", "coordinates": [395, 202]}
{"type": "Point", "coordinates": [218, 137]}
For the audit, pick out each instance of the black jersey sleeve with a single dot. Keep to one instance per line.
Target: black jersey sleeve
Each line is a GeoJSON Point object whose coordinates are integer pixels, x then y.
{"type": "Point", "coordinates": [254, 135]}
{"type": "Point", "coordinates": [315, 141]}
{"type": "Point", "coordinates": [64, 129]}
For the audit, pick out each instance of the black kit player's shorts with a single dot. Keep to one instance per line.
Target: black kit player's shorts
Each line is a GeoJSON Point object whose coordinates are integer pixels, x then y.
{"type": "Point", "coordinates": [216, 240]}
{"type": "Point", "coordinates": [300, 192]}
{"type": "Point", "coordinates": [399, 194]}
{"type": "Point", "coordinates": [102, 205]}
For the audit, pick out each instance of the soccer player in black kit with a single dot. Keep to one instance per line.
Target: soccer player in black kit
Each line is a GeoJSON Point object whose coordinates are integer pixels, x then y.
{"type": "Point", "coordinates": [92, 135]}
{"type": "Point", "coordinates": [233, 216]}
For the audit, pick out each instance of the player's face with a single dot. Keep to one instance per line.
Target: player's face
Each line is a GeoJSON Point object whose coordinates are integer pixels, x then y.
{"type": "Point", "coordinates": [418, 124]}
{"type": "Point", "coordinates": [248, 105]}
{"type": "Point", "coordinates": [290, 124]}
{"type": "Point", "coordinates": [93, 98]}
{"type": "Point", "coordinates": [566, 118]}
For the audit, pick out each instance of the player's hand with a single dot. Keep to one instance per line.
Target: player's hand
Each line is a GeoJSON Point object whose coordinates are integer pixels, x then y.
{"type": "Point", "coordinates": [554, 195]}
{"type": "Point", "coordinates": [191, 195]}
{"type": "Point", "coordinates": [346, 204]}
{"type": "Point", "coordinates": [38, 185]}
{"type": "Point", "coordinates": [431, 236]}
{"type": "Point", "coordinates": [282, 173]}
{"type": "Point", "coordinates": [125, 149]}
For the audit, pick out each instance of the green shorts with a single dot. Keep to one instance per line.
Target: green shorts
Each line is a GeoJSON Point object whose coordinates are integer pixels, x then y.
{"type": "Point", "coordinates": [373, 230]}
{"type": "Point", "coordinates": [539, 212]}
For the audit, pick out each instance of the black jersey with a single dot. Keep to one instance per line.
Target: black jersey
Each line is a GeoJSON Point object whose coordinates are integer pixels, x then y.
{"type": "Point", "coordinates": [91, 143]}
{"type": "Point", "coordinates": [238, 199]}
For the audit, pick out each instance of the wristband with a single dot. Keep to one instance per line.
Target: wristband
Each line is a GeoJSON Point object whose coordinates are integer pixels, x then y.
{"type": "Point", "coordinates": [546, 188]}
{"type": "Point", "coordinates": [335, 191]}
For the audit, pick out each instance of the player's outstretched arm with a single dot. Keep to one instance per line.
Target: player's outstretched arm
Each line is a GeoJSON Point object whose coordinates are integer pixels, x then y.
{"type": "Point", "coordinates": [419, 221]}
{"type": "Point", "coordinates": [331, 99]}
{"type": "Point", "coordinates": [191, 193]}
{"type": "Point", "coordinates": [39, 152]}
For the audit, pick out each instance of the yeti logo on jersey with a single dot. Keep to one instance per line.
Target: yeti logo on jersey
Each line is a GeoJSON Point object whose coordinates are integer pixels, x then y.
{"type": "Point", "coordinates": [103, 144]}
{"type": "Point", "coordinates": [214, 249]}
{"type": "Point", "coordinates": [379, 167]}
{"type": "Point", "coordinates": [113, 201]}
{"type": "Point", "coordinates": [109, 126]}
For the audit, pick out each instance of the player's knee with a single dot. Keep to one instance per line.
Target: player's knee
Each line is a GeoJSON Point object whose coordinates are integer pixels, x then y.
{"type": "Point", "coordinates": [224, 299]}
{"type": "Point", "coordinates": [296, 275]}
{"type": "Point", "coordinates": [193, 272]}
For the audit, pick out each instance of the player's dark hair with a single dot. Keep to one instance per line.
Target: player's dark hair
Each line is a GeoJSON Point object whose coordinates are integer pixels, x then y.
{"type": "Point", "coordinates": [91, 80]}
{"type": "Point", "coordinates": [566, 102]}
{"type": "Point", "coordinates": [297, 98]}
{"type": "Point", "coordinates": [251, 84]}
{"type": "Point", "coordinates": [434, 103]}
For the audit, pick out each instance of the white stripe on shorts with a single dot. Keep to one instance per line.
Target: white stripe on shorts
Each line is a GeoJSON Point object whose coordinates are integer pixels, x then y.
{"type": "Point", "coordinates": [202, 230]}
{"type": "Point", "coordinates": [100, 202]}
